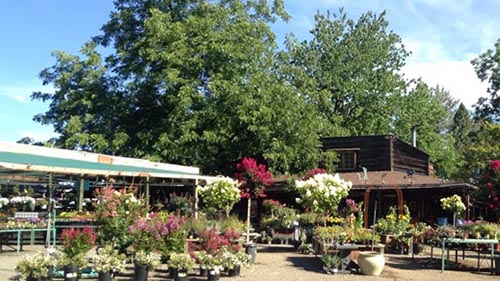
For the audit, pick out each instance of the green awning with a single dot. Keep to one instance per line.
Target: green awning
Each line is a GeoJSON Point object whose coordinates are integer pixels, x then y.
{"type": "Point", "coordinates": [64, 163]}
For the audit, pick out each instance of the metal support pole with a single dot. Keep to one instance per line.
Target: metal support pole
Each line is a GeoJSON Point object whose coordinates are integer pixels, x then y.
{"type": "Point", "coordinates": [50, 210]}
{"type": "Point", "coordinates": [196, 198]}
{"type": "Point", "coordinates": [249, 204]}
{"type": "Point", "coordinates": [81, 182]}
{"type": "Point", "coordinates": [147, 194]}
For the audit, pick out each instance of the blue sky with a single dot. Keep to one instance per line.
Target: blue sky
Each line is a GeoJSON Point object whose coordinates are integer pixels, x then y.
{"type": "Point", "coordinates": [443, 36]}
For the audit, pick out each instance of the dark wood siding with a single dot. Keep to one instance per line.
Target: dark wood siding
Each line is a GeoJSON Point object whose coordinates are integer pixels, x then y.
{"type": "Point", "coordinates": [407, 157]}
{"type": "Point", "coordinates": [381, 153]}
{"type": "Point", "coordinates": [373, 152]}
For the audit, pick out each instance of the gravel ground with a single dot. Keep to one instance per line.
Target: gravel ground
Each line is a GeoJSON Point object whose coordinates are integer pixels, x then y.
{"type": "Point", "coordinates": [281, 263]}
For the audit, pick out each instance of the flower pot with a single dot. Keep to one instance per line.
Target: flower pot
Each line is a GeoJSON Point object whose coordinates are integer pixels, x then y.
{"type": "Point", "coordinates": [181, 275]}
{"type": "Point", "coordinates": [371, 263]}
{"type": "Point", "coordinates": [203, 272]}
{"type": "Point", "coordinates": [71, 273]}
{"type": "Point", "coordinates": [30, 278]}
{"type": "Point", "coordinates": [234, 271]}
{"type": "Point", "coordinates": [213, 275]}
{"type": "Point", "coordinates": [140, 272]}
{"type": "Point", "coordinates": [105, 276]}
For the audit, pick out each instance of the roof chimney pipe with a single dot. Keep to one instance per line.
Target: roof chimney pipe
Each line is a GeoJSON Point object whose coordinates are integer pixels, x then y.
{"type": "Point", "coordinates": [413, 138]}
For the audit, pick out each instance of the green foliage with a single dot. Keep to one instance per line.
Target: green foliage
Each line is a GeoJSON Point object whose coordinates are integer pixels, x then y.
{"type": "Point", "coordinates": [198, 80]}
{"type": "Point", "coordinates": [423, 108]}
{"type": "Point", "coordinates": [273, 223]}
{"type": "Point", "coordinates": [35, 266]}
{"type": "Point", "coordinates": [487, 67]}
{"type": "Point", "coordinates": [307, 219]}
{"type": "Point", "coordinates": [107, 259]}
{"type": "Point", "coordinates": [230, 223]}
{"type": "Point", "coordinates": [331, 261]}
{"type": "Point", "coordinates": [115, 213]}
{"type": "Point", "coordinates": [393, 223]}
{"type": "Point", "coordinates": [485, 146]}
{"type": "Point", "coordinates": [181, 261]}
{"type": "Point", "coordinates": [337, 70]}
{"type": "Point", "coordinates": [220, 194]}
{"type": "Point", "coordinates": [329, 234]}
{"type": "Point", "coordinates": [322, 192]}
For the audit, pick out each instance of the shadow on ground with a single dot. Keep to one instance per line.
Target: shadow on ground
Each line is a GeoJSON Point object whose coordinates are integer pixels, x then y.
{"type": "Point", "coordinates": [308, 263]}
{"type": "Point", "coordinates": [407, 263]}
{"type": "Point", "coordinates": [276, 249]}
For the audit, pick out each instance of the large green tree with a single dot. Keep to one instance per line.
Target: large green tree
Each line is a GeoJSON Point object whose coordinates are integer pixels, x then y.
{"type": "Point", "coordinates": [349, 72]}
{"type": "Point", "coordinates": [424, 109]}
{"type": "Point", "coordinates": [190, 82]}
{"type": "Point", "coordinates": [487, 67]}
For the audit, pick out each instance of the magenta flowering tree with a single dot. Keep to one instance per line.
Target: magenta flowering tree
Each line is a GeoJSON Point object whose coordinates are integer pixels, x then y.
{"type": "Point", "coordinates": [492, 178]}
{"type": "Point", "coordinates": [254, 179]}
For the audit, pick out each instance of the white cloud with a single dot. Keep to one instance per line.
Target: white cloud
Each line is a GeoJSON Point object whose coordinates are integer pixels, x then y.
{"type": "Point", "coordinates": [37, 134]}
{"type": "Point", "coordinates": [457, 77]}
{"type": "Point", "coordinates": [22, 92]}
{"type": "Point", "coordinates": [425, 51]}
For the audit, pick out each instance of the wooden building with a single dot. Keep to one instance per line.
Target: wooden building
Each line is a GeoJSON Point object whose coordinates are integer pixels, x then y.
{"type": "Point", "coordinates": [385, 172]}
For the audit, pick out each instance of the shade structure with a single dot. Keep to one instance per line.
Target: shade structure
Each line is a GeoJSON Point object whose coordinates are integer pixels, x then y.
{"type": "Point", "coordinates": [37, 164]}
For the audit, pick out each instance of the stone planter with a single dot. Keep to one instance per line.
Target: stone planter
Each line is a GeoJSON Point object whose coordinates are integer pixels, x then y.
{"type": "Point", "coordinates": [371, 263]}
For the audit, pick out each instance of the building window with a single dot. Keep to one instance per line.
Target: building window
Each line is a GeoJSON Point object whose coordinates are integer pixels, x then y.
{"type": "Point", "coordinates": [347, 160]}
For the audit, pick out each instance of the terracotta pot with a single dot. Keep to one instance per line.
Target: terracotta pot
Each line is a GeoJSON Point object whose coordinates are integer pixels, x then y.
{"type": "Point", "coordinates": [371, 263]}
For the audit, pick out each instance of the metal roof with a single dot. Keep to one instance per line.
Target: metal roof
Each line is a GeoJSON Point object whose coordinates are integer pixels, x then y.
{"type": "Point", "coordinates": [29, 158]}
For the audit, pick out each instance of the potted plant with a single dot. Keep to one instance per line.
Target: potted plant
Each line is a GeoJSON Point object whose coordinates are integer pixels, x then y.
{"type": "Point", "coordinates": [220, 194]}
{"type": "Point", "coordinates": [182, 264]}
{"type": "Point", "coordinates": [241, 259]}
{"type": "Point", "coordinates": [114, 213]}
{"type": "Point", "coordinates": [331, 263]}
{"type": "Point", "coordinates": [35, 267]}
{"type": "Point", "coordinates": [453, 204]}
{"type": "Point", "coordinates": [210, 265]}
{"type": "Point", "coordinates": [322, 192]}
{"type": "Point", "coordinates": [76, 243]}
{"type": "Point", "coordinates": [254, 178]}
{"type": "Point", "coordinates": [143, 263]}
{"type": "Point", "coordinates": [371, 263]}
{"type": "Point", "coordinates": [107, 262]}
